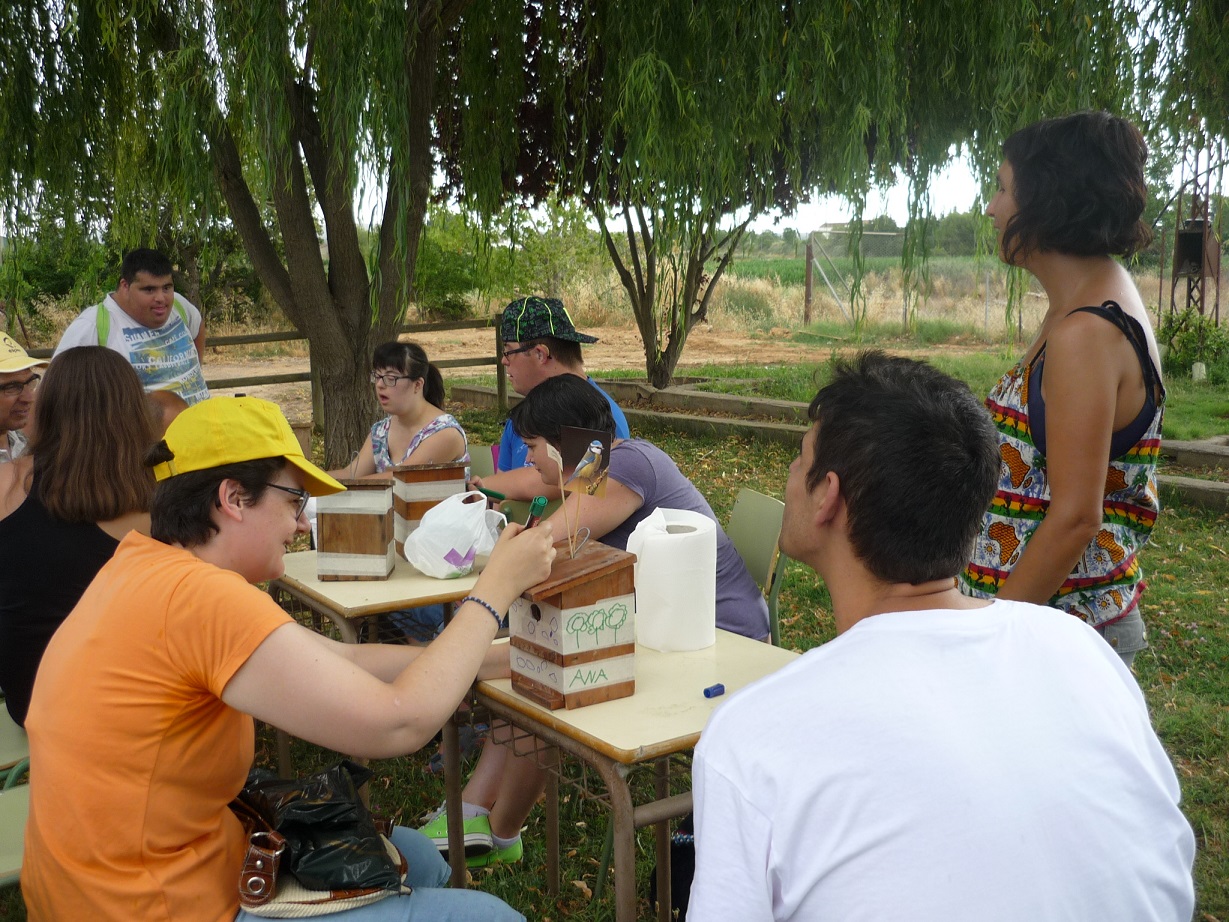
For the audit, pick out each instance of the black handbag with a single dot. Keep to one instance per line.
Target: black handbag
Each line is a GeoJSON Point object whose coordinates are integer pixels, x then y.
{"type": "Point", "coordinates": [318, 831]}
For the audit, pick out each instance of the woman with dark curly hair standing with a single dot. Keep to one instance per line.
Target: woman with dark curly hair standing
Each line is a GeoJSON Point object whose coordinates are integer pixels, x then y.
{"type": "Point", "coordinates": [1079, 418]}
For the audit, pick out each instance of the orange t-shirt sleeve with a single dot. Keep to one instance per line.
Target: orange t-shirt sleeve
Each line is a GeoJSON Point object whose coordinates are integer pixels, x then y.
{"type": "Point", "coordinates": [231, 618]}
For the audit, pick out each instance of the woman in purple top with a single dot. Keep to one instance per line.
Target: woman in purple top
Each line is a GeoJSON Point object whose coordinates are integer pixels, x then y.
{"type": "Point", "coordinates": [641, 478]}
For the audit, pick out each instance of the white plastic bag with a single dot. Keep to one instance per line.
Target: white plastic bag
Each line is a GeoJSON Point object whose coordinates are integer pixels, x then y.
{"type": "Point", "coordinates": [451, 535]}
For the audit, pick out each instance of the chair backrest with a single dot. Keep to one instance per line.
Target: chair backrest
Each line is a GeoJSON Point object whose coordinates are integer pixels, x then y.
{"type": "Point", "coordinates": [518, 511]}
{"type": "Point", "coordinates": [14, 744]}
{"type": "Point", "coordinates": [481, 461]}
{"type": "Point", "coordinates": [14, 809]}
{"type": "Point", "coordinates": [755, 527]}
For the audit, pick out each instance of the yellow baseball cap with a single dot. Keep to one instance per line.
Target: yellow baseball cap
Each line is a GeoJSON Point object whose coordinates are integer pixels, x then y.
{"type": "Point", "coordinates": [227, 430]}
{"type": "Point", "coordinates": [14, 358]}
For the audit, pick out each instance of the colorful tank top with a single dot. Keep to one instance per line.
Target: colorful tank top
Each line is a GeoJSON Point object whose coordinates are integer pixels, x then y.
{"type": "Point", "coordinates": [1107, 580]}
{"type": "Point", "coordinates": [379, 440]}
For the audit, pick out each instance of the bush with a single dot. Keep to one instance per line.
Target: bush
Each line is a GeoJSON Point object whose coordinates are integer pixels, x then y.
{"type": "Point", "coordinates": [445, 273]}
{"type": "Point", "coordinates": [747, 304]}
{"type": "Point", "coordinates": [1190, 337]}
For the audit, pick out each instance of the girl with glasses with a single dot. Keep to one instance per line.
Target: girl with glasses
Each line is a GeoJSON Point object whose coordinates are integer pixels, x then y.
{"type": "Point", "coordinates": [416, 430]}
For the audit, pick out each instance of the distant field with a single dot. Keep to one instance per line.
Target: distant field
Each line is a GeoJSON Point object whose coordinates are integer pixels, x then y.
{"type": "Point", "coordinates": [792, 271]}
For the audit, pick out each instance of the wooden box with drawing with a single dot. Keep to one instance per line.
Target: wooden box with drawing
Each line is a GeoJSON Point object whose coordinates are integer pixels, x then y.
{"type": "Point", "coordinates": [573, 636]}
{"type": "Point", "coordinates": [355, 532]}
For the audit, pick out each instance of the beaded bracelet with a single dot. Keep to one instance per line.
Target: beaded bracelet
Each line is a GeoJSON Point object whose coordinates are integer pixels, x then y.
{"type": "Point", "coordinates": [485, 604]}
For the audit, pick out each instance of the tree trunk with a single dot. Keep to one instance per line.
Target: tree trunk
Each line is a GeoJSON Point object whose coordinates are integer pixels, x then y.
{"type": "Point", "coordinates": [334, 306]}
{"type": "Point", "coordinates": [343, 368]}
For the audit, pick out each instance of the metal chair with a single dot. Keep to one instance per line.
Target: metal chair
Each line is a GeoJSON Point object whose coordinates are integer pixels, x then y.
{"type": "Point", "coordinates": [755, 527]}
{"type": "Point", "coordinates": [14, 808]}
{"type": "Point", "coordinates": [481, 461]}
{"type": "Point", "coordinates": [14, 744]}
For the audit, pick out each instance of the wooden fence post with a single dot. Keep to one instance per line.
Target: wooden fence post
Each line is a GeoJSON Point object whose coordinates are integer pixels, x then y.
{"type": "Point", "coordinates": [501, 376]}
{"type": "Point", "coordinates": [806, 300]}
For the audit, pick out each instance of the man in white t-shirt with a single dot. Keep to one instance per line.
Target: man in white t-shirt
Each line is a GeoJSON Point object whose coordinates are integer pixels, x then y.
{"type": "Point", "coordinates": [160, 333]}
{"type": "Point", "coordinates": [942, 758]}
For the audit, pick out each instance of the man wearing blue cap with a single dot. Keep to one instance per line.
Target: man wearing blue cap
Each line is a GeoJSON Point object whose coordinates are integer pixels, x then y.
{"type": "Point", "coordinates": [540, 342]}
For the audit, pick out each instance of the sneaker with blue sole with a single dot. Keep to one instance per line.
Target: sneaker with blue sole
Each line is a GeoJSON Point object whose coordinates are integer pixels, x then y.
{"type": "Point", "coordinates": [477, 834]}
{"type": "Point", "coordinates": [509, 854]}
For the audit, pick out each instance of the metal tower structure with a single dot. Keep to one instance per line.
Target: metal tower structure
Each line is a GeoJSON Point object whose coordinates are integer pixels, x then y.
{"type": "Point", "coordinates": [1198, 233]}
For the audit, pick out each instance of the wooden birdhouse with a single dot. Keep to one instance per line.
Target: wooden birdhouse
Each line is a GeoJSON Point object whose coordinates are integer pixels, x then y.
{"type": "Point", "coordinates": [573, 637]}
{"type": "Point", "coordinates": [355, 532]}
{"type": "Point", "coordinates": [418, 487]}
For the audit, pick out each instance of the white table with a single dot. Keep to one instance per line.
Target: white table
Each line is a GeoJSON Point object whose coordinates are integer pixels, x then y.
{"type": "Point", "coordinates": [664, 717]}
{"type": "Point", "coordinates": [344, 602]}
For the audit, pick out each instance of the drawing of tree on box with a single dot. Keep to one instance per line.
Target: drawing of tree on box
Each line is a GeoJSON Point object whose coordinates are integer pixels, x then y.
{"type": "Point", "coordinates": [595, 621]}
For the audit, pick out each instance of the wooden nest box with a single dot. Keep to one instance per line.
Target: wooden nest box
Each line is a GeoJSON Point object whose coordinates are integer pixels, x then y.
{"type": "Point", "coordinates": [573, 637]}
{"type": "Point", "coordinates": [355, 532]}
{"type": "Point", "coordinates": [418, 487]}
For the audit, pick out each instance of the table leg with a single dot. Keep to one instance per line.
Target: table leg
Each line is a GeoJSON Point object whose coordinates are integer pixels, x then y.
{"type": "Point", "coordinates": [551, 810]}
{"type": "Point", "coordinates": [615, 777]}
{"type": "Point", "coordinates": [452, 786]}
{"type": "Point", "coordinates": [624, 817]}
{"type": "Point", "coordinates": [285, 768]}
{"type": "Point", "coordinates": [662, 834]}
{"type": "Point", "coordinates": [347, 633]}
{"type": "Point", "coordinates": [345, 630]}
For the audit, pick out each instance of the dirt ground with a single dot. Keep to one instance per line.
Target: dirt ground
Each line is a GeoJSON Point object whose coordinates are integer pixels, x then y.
{"type": "Point", "coordinates": [617, 348]}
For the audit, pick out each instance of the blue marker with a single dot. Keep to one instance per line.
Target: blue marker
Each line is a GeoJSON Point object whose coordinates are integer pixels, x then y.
{"type": "Point", "coordinates": [714, 690]}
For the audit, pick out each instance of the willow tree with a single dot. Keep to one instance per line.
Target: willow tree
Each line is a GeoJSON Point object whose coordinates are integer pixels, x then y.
{"type": "Point", "coordinates": [285, 110]}
{"type": "Point", "coordinates": [687, 120]}
{"type": "Point", "coordinates": [1189, 44]}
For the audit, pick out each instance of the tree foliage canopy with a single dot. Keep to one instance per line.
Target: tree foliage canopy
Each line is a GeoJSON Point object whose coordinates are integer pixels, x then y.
{"type": "Point", "coordinates": [270, 114]}
{"type": "Point", "coordinates": [687, 118]}
{"type": "Point", "coordinates": [683, 115]}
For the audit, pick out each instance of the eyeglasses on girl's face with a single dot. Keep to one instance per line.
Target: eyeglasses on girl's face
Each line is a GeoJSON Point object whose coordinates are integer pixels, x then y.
{"type": "Point", "coordinates": [388, 380]}
{"type": "Point", "coordinates": [303, 496]}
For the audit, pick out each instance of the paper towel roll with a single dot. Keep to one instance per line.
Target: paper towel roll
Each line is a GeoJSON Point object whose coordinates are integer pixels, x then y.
{"type": "Point", "coordinates": [676, 580]}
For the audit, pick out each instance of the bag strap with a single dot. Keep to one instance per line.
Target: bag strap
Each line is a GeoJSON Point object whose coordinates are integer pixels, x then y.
{"type": "Point", "coordinates": [102, 320]}
{"type": "Point", "coordinates": [258, 879]}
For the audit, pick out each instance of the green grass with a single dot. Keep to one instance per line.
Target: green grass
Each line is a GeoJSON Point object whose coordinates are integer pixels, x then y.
{"type": "Point", "coordinates": [981, 370]}
{"type": "Point", "coordinates": [785, 270]}
{"type": "Point", "coordinates": [1195, 411]}
{"type": "Point", "coordinates": [1184, 676]}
